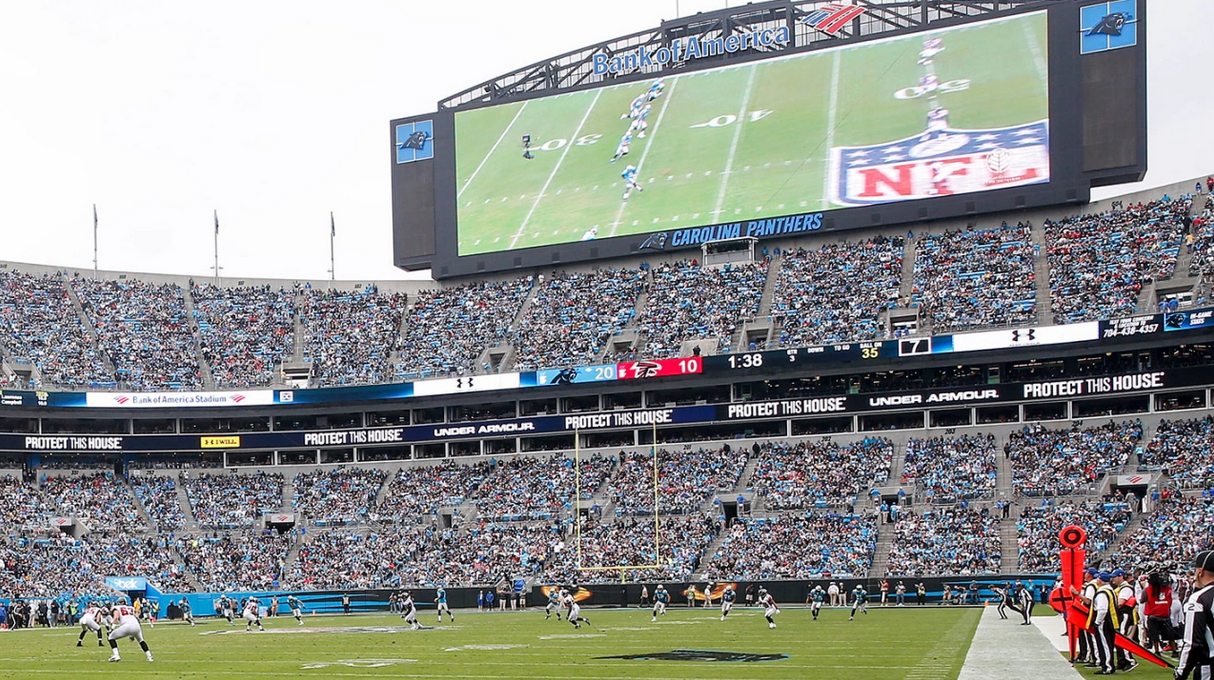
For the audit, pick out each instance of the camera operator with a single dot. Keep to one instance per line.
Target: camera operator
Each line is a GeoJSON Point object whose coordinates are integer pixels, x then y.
{"type": "Point", "coordinates": [1198, 643]}
{"type": "Point", "coordinates": [1157, 607]}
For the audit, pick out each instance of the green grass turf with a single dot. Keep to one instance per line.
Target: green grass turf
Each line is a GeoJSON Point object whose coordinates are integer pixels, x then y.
{"type": "Point", "coordinates": [887, 643]}
{"type": "Point", "coordinates": [770, 160]}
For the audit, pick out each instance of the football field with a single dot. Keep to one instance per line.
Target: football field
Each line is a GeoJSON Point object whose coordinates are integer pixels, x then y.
{"type": "Point", "coordinates": [756, 140]}
{"type": "Point", "coordinates": [889, 644]}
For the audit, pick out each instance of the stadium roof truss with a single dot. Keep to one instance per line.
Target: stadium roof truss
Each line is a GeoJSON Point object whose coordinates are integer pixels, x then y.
{"type": "Point", "coordinates": [575, 70]}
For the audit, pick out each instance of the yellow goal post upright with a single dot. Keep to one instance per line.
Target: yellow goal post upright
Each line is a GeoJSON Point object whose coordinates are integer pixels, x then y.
{"type": "Point", "coordinates": [577, 513]}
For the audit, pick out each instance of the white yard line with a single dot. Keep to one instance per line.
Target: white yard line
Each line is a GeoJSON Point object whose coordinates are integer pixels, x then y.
{"type": "Point", "coordinates": [733, 146]}
{"type": "Point", "coordinates": [615, 224]}
{"type": "Point", "coordinates": [576, 133]}
{"type": "Point", "coordinates": [832, 114]}
{"type": "Point", "coordinates": [491, 150]}
{"type": "Point", "coordinates": [1038, 57]}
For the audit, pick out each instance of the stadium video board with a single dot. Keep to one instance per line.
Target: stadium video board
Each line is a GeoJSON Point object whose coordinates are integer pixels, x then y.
{"type": "Point", "coordinates": [630, 147]}
{"type": "Point", "coordinates": [740, 148]}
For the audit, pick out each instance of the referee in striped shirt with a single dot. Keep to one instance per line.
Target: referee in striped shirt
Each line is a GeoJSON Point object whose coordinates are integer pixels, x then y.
{"type": "Point", "coordinates": [1197, 649]}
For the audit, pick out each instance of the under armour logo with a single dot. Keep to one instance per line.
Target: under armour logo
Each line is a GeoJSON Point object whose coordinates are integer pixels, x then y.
{"type": "Point", "coordinates": [1028, 334]}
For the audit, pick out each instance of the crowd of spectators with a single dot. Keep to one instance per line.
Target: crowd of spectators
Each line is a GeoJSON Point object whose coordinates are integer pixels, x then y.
{"type": "Point", "coordinates": [686, 301]}
{"type": "Point", "coordinates": [817, 545]}
{"type": "Point", "coordinates": [48, 567]}
{"type": "Point", "coordinates": [836, 293]}
{"type": "Point", "coordinates": [951, 468]}
{"type": "Point", "coordinates": [248, 560]}
{"type": "Point", "coordinates": [39, 324]}
{"type": "Point", "coordinates": [158, 496]}
{"type": "Point", "coordinates": [22, 506]}
{"type": "Point", "coordinates": [629, 541]}
{"type": "Point", "coordinates": [230, 501]}
{"type": "Point", "coordinates": [101, 501]}
{"type": "Point", "coordinates": [147, 556]}
{"type": "Point", "coordinates": [809, 473]}
{"type": "Point", "coordinates": [1177, 530]}
{"type": "Point", "coordinates": [976, 277]}
{"type": "Point", "coordinates": [538, 487]}
{"type": "Point", "coordinates": [686, 479]}
{"type": "Point", "coordinates": [1049, 462]}
{"type": "Point", "coordinates": [415, 493]}
{"type": "Point", "coordinates": [1185, 450]}
{"type": "Point", "coordinates": [1099, 263]}
{"type": "Point", "coordinates": [346, 559]}
{"type": "Point", "coordinates": [955, 540]}
{"type": "Point", "coordinates": [244, 331]}
{"type": "Point", "coordinates": [144, 331]}
{"type": "Point", "coordinates": [1038, 529]}
{"type": "Point", "coordinates": [339, 496]}
{"type": "Point", "coordinates": [572, 315]}
{"type": "Point", "coordinates": [1201, 240]}
{"type": "Point", "coordinates": [351, 336]}
{"type": "Point", "coordinates": [447, 329]}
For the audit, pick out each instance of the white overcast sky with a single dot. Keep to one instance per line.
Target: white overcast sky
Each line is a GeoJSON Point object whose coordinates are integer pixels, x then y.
{"type": "Point", "coordinates": [275, 113]}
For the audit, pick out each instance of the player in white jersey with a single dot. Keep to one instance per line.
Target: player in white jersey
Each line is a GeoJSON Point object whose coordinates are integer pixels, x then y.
{"type": "Point", "coordinates": [126, 624]}
{"type": "Point", "coordinates": [409, 607]}
{"type": "Point", "coordinates": [634, 109]}
{"type": "Point", "coordinates": [937, 124]}
{"type": "Point", "coordinates": [252, 615]}
{"type": "Point", "coordinates": [554, 605]}
{"type": "Point", "coordinates": [640, 123]}
{"type": "Point", "coordinates": [622, 148]}
{"type": "Point", "coordinates": [630, 181]}
{"type": "Point", "coordinates": [574, 612]}
{"type": "Point", "coordinates": [660, 599]}
{"type": "Point", "coordinates": [591, 234]}
{"type": "Point", "coordinates": [93, 620]}
{"type": "Point", "coordinates": [931, 47]}
{"type": "Point", "coordinates": [769, 606]}
{"type": "Point", "coordinates": [440, 599]}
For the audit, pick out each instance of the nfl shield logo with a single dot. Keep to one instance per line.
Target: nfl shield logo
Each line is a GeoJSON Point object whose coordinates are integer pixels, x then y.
{"type": "Point", "coordinates": [945, 164]}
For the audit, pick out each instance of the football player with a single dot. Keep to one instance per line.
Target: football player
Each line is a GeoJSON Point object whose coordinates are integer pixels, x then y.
{"type": "Point", "coordinates": [727, 598]}
{"type": "Point", "coordinates": [441, 600]}
{"type": "Point", "coordinates": [769, 606]}
{"type": "Point", "coordinates": [574, 612]}
{"type": "Point", "coordinates": [252, 614]}
{"type": "Point", "coordinates": [409, 607]}
{"type": "Point", "coordinates": [630, 181]}
{"type": "Point", "coordinates": [296, 608]}
{"type": "Point", "coordinates": [93, 620]}
{"type": "Point", "coordinates": [126, 624]}
{"type": "Point", "coordinates": [660, 598]}
{"type": "Point", "coordinates": [622, 148]}
{"type": "Point", "coordinates": [554, 604]}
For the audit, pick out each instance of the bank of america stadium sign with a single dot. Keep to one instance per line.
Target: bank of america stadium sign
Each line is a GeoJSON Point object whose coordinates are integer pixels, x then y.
{"type": "Point", "coordinates": [693, 47]}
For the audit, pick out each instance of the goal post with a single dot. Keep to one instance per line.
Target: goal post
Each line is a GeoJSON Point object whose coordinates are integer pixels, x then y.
{"type": "Point", "coordinates": [577, 500]}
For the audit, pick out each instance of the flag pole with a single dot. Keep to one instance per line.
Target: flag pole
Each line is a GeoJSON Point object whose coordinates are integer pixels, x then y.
{"type": "Point", "coordinates": [94, 241]}
{"type": "Point", "coordinates": [332, 238]}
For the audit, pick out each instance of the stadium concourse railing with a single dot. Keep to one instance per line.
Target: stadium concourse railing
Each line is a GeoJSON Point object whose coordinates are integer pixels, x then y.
{"type": "Point", "coordinates": [1137, 327]}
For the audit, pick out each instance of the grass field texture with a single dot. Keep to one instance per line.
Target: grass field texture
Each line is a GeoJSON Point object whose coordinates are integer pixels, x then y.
{"type": "Point", "coordinates": [738, 142]}
{"type": "Point", "coordinates": [888, 644]}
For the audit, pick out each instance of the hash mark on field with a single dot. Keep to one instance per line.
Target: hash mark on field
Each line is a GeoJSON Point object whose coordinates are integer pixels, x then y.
{"type": "Point", "coordinates": [737, 135]}
{"type": "Point", "coordinates": [555, 168]}
{"type": "Point", "coordinates": [491, 150]}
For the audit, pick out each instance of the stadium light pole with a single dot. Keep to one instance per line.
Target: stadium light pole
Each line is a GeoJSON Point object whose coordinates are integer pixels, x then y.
{"type": "Point", "coordinates": [94, 241]}
{"type": "Point", "coordinates": [216, 267]}
{"type": "Point", "coordinates": [332, 238]}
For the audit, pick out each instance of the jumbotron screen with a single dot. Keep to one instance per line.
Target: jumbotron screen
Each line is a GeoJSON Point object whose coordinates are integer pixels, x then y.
{"type": "Point", "coordinates": [935, 113]}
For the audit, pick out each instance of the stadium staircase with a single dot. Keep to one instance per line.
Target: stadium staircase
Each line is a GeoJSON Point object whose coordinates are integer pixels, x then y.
{"type": "Point", "coordinates": [885, 541]}
{"type": "Point", "coordinates": [908, 268]}
{"type": "Point", "coordinates": [1127, 531]}
{"type": "Point", "coordinates": [189, 523]}
{"type": "Point", "coordinates": [208, 378]}
{"type": "Point", "coordinates": [1009, 545]}
{"type": "Point", "coordinates": [1041, 274]}
{"type": "Point", "coordinates": [186, 571]}
{"type": "Point", "coordinates": [88, 327]}
{"type": "Point", "coordinates": [143, 514]}
{"type": "Point", "coordinates": [762, 317]}
{"type": "Point", "coordinates": [507, 362]}
{"type": "Point", "coordinates": [629, 330]}
{"type": "Point", "coordinates": [288, 494]}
